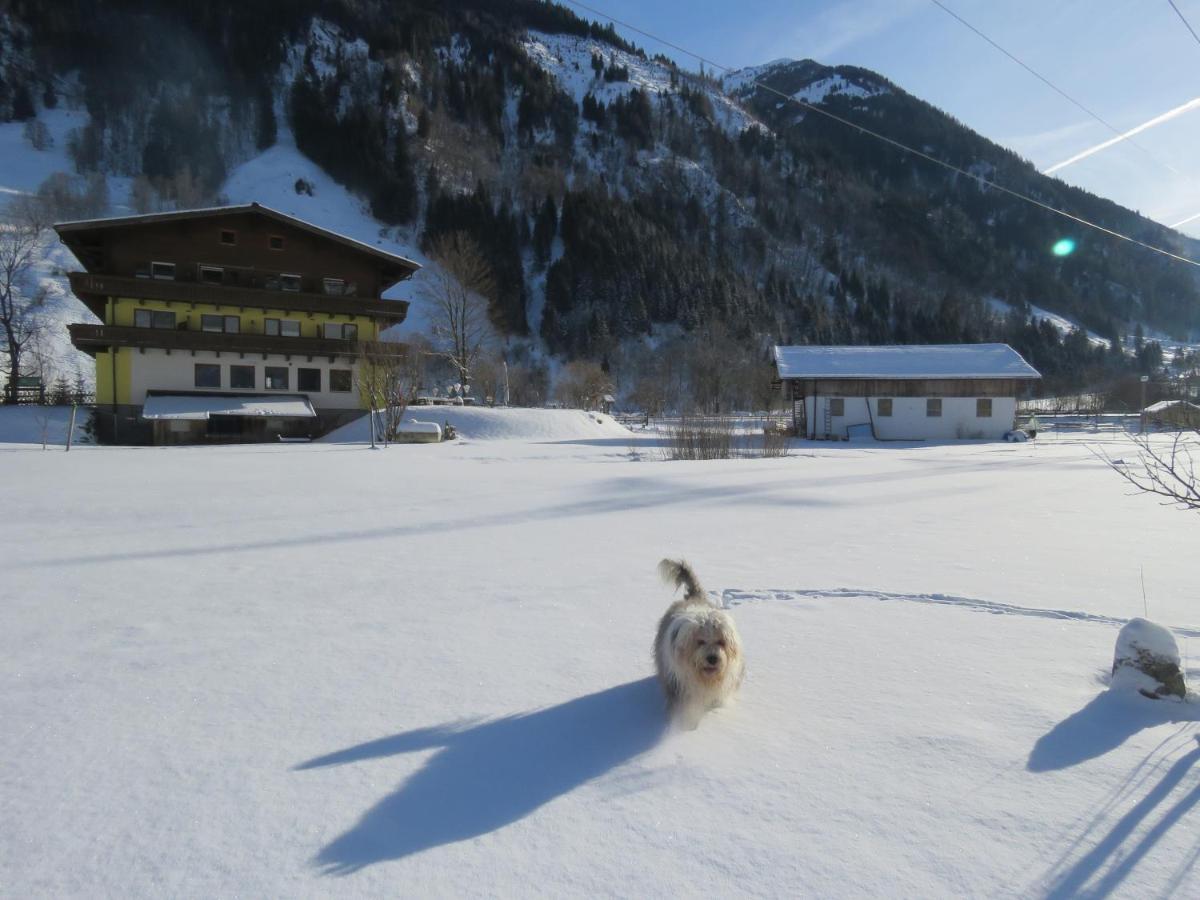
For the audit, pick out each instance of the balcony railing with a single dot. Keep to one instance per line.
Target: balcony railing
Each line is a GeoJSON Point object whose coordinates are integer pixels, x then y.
{"type": "Point", "coordinates": [94, 289]}
{"type": "Point", "coordinates": [92, 338]}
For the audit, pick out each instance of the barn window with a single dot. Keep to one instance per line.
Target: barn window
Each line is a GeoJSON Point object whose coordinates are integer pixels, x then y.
{"type": "Point", "coordinates": [275, 242]}
{"type": "Point", "coordinates": [983, 408]}
{"type": "Point", "coordinates": [228, 237]}
{"type": "Point", "coordinates": [837, 406]}
{"type": "Point", "coordinates": [933, 407]}
{"type": "Point", "coordinates": [884, 406]}
{"type": "Point", "coordinates": [164, 271]}
{"type": "Point", "coordinates": [289, 282]}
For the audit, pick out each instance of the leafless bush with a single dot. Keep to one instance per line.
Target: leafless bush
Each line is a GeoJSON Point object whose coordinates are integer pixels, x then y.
{"type": "Point", "coordinates": [1167, 471]}
{"type": "Point", "coordinates": [700, 437]}
{"type": "Point", "coordinates": [775, 439]}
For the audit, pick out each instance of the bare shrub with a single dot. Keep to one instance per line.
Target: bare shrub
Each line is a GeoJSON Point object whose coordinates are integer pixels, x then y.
{"type": "Point", "coordinates": [700, 437]}
{"type": "Point", "coordinates": [583, 384]}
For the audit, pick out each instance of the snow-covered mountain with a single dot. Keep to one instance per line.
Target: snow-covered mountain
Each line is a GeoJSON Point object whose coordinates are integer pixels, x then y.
{"type": "Point", "coordinates": [620, 199]}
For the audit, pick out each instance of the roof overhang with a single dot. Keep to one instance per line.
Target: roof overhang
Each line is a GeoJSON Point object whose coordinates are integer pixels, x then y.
{"type": "Point", "coordinates": [72, 234]}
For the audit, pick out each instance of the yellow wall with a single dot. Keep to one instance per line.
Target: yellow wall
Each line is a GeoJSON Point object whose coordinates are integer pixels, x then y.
{"type": "Point", "coordinates": [251, 319]}
{"type": "Point", "coordinates": [120, 312]}
{"type": "Point", "coordinates": [104, 375]}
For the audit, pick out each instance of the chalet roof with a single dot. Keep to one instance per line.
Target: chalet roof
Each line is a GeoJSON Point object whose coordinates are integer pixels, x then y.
{"type": "Point", "coordinates": [68, 228]}
{"type": "Point", "coordinates": [909, 361]}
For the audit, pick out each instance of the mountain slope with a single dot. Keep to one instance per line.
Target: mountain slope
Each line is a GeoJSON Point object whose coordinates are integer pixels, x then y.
{"type": "Point", "coordinates": [618, 198]}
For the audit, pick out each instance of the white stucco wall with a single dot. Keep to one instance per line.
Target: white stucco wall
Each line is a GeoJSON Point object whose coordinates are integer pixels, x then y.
{"type": "Point", "coordinates": [155, 370]}
{"type": "Point", "coordinates": [909, 421]}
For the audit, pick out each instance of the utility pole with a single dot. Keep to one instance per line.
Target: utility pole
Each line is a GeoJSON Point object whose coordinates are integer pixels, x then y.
{"type": "Point", "coordinates": [1142, 414]}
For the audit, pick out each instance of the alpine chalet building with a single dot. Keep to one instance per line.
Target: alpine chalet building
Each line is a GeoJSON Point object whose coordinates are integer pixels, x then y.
{"type": "Point", "coordinates": [904, 393]}
{"type": "Point", "coordinates": [237, 323]}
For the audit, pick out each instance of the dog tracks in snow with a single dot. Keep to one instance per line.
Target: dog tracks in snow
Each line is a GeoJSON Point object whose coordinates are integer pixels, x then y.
{"type": "Point", "coordinates": [733, 597]}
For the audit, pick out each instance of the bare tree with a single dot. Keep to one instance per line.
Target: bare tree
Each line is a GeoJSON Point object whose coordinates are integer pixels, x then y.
{"type": "Point", "coordinates": [21, 233]}
{"type": "Point", "coordinates": [1166, 471]}
{"type": "Point", "coordinates": [459, 289]}
{"type": "Point", "coordinates": [389, 376]}
{"type": "Point", "coordinates": [583, 384]}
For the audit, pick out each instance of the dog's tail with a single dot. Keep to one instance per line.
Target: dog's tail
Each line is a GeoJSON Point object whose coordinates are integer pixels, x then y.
{"type": "Point", "coordinates": [678, 572]}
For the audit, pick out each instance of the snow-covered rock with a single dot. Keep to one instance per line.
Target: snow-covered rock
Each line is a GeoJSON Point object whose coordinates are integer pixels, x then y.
{"type": "Point", "coordinates": [1147, 660]}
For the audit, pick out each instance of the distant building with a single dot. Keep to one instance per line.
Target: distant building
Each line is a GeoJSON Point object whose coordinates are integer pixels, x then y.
{"type": "Point", "coordinates": [236, 323]}
{"type": "Point", "coordinates": [910, 392]}
{"type": "Point", "coordinates": [1173, 414]}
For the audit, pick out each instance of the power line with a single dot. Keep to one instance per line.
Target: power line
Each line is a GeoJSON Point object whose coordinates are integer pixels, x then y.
{"type": "Point", "coordinates": [1185, 21]}
{"type": "Point", "coordinates": [1054, 87]}
{"type": "Point", "coordinates": [887, 140]}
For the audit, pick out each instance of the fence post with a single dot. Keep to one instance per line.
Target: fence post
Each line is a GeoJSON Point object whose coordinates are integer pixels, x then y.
{"type": "Point", "coordinates": [71, 427]}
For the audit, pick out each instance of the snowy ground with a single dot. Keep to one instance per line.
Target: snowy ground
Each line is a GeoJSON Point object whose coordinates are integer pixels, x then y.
{"type": "Point", "coordinates": [302, 670]}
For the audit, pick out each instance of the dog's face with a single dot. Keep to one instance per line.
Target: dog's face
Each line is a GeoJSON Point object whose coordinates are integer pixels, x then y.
{"type": "Point", "coordinates": [707, 645]}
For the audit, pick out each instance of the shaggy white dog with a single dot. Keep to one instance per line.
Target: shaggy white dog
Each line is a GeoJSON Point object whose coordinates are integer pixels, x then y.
{"type": "Point", "coordinates": [697, 651]}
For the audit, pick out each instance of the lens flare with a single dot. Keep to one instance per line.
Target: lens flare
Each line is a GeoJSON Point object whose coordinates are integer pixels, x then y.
{"type": "Point", "coordinates": [1065, 247]}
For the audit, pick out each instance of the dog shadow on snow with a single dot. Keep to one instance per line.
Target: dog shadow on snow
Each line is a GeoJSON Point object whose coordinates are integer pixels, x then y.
{"type": "Point", "coordinates": [494, 773]}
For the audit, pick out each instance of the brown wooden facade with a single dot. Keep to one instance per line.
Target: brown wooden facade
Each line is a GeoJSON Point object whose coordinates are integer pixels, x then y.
{"type": "Point", "coordinates": [906, 387]}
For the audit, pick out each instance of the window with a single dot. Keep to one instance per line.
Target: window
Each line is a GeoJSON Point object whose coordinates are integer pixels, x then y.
{"type": "Point", "coordinates": [163, 271]}
{"type": "Point", "coordinates": [275, 242]}
{"type": "Point", "coordinates": [153, 318]}
{"type": "Point", "coordinates": [837, 406]}
{"type": "Point", "coordinates": [227, 324]}
{"type": "Point", "coordinates": [336, 331]}
{"type": "Point", "coordinates": [308, 379]}
{"type": "Point", "coordinates": [241, 377]}
{"type": "Point", "coordinates": [983, 408]}
{"type": "Point", "coordinates": [212, 274]}
{"type": "Point", "coordinates": [933, 407]}
{"type": "Point", "coordinates": [228, 237]}
{"type": "Point", "coordinates": [289, 282]}
{"type": "Point", "coordinates": [334, 286]}
{"type": "Point", "coordinates": [281, 327]}
{"type": "Point", "coordinates": [340, 380]}
{"type": "Point", "coordinates": [883, 406]}
{"type": "Point", "coordinates": [208, 375]}
{"type": "Point", "coordinates": [275, 378]}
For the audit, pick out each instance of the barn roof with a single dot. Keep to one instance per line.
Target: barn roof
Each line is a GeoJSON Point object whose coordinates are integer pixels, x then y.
{"type": "Point", "coordinates": [1164, 405]}
{"type": "Point", "coordinates": [909, 361]}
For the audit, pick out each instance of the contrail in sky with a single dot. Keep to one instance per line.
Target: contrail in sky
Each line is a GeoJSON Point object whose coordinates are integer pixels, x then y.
{"type": "Point", "coordinates": [1157, 120]}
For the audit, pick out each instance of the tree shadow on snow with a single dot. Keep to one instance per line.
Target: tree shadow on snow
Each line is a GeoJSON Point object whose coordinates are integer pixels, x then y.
{"type": "Point", "coordinates": [489, 775]}
{"type": "Point", "coordinates": [1118, 852]}
{"type": "Point", "coordinates": [1103, 725]}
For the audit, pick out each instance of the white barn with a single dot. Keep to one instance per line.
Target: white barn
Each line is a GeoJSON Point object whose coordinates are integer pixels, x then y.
{"type": "Point", "coordinates": [911, 392]}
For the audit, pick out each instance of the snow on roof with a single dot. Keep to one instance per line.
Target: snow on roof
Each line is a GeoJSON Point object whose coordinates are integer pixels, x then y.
{"type": "Point", "coordinates": [198, 407]}
{"type": "Point", "coordinates": [1163, 405]}
{"type": "Point", "coordinates": [908, 361]}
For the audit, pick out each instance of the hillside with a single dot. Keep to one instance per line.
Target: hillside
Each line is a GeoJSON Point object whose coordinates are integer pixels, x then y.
{"type": "Point", "coordinates": [635, 214]}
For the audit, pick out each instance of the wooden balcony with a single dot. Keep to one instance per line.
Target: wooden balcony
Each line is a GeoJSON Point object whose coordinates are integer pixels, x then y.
{"type": "Point", "coordinates": [94, 338]}
{"type": "Point", "coordinates": [94, 290]}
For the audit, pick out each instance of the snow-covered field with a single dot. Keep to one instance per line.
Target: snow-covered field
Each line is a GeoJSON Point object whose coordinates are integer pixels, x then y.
{"type": "Point", "coordinates": [308, 670]}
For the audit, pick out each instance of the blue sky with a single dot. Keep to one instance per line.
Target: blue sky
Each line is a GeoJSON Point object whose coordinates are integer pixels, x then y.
{"type": "Point", "coordinates": [1127, 60]}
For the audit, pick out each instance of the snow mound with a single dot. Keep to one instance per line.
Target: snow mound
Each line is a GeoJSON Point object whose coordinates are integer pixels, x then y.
{"type": "Point", "coordinates": [1147, 660]}
{"type": "Point", "coordinates": [487, 424]}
